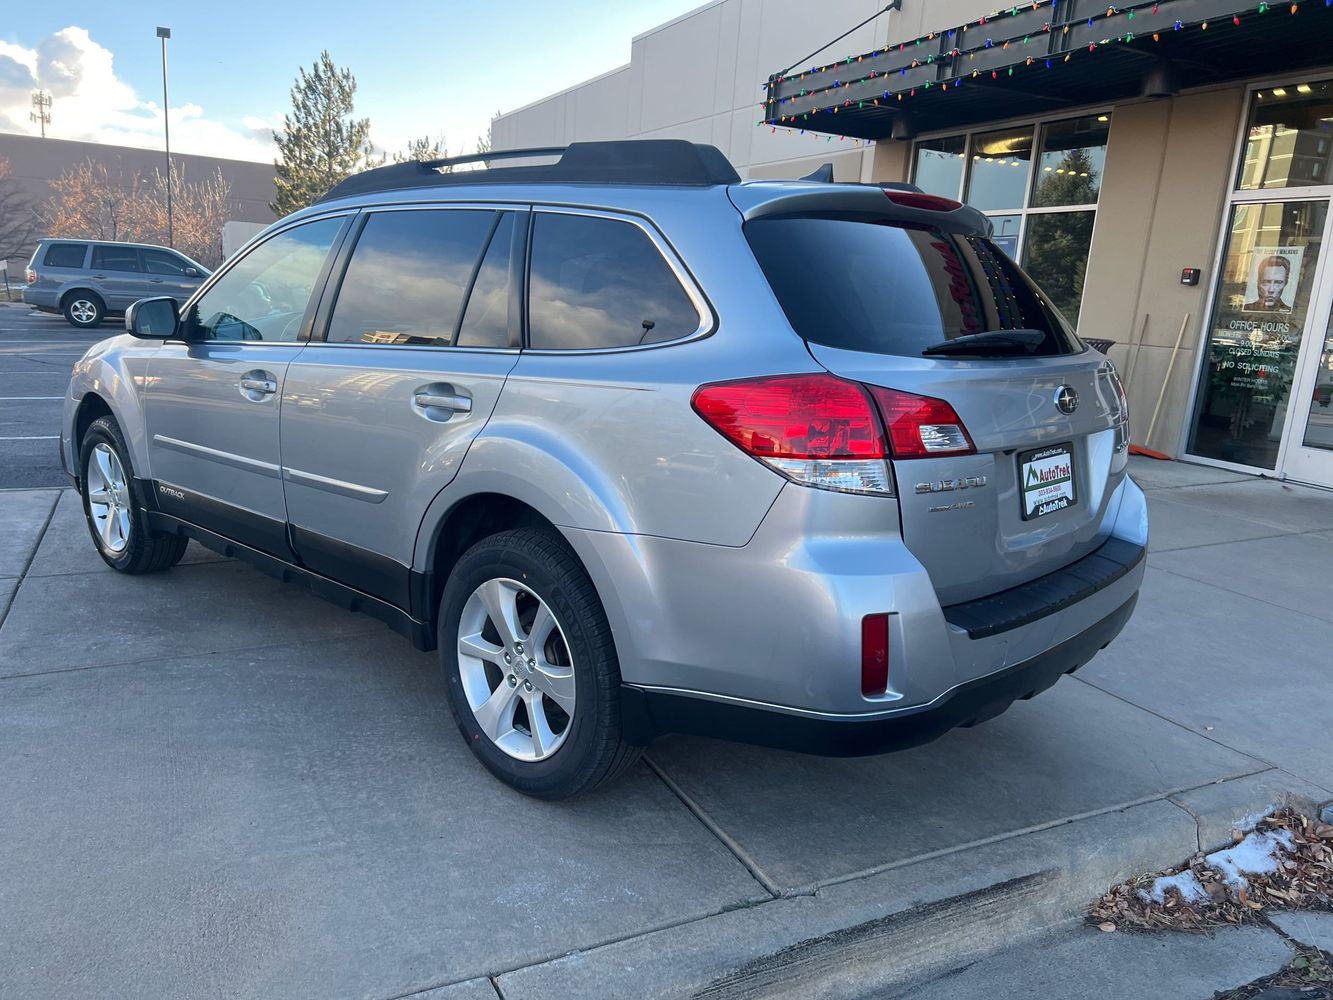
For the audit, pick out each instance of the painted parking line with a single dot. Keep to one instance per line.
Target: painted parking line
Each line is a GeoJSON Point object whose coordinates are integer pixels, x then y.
{"type": "Point", "coordinates": [13, 399]}
{"type": "Point", "coordinates": [39, 437]}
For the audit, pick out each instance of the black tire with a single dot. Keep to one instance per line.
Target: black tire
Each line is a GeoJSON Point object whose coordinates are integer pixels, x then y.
{"type": "Point", "coordinates": [87, 305]}
{"type": "Point", "coordinates": [144, 551]}
{"type": "Point", "coordinates": [593, 752]}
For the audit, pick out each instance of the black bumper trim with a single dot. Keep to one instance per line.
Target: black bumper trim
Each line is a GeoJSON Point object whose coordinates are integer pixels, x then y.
{"type": "Point", "coordinates": [647, 714]}
{"type": "Point", "coordinates": [1047, 594]}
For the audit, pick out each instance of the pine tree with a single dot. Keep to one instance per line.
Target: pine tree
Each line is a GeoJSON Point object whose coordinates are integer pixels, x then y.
{"type": "Point", "coordinates": [424, 148]}
{"type": "Point", "coordinates": [321, 143]}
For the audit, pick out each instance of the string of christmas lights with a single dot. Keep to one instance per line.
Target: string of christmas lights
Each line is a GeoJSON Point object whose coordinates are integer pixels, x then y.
{"type": "Point", "coordinates": [791, 123]}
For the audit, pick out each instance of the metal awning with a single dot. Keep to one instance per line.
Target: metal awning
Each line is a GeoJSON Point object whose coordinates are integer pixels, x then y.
{"type": "Point", "coordinates": [1038, 57]}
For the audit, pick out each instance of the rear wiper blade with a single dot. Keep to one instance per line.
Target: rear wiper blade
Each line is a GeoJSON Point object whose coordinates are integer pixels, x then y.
{"type": "Point", "coordinates": [1023, 341]}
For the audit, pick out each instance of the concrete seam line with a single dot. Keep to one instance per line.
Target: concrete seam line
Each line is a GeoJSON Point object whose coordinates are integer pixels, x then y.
{"type": "Point", "coordinates": [495, 985]}
{"type": "Point", "coordinates": [1014, 834]}
{"type": "Point", "coordinates": [445, 985]}
{"type": "Point", "coordinates": [23, 575]}
{"type": "Point", "coordinates": [1271, 765]}
{"type": "Point", "coordinates": [711, 825]}
{"type": "Point", "coordinates": [1198, 823]}
{"type": "Point", "coordinates": [1237, 541]}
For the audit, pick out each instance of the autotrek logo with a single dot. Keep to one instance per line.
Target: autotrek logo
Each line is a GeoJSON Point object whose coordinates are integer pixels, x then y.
{"type": "Point", "coordinates": [1045, 477]}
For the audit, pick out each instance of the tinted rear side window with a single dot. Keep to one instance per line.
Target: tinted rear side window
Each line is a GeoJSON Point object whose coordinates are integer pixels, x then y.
{"type": "Point", "coordinates": [407, 277]}
{"type": "Point", "coordinates": [65, 255]}
{"type": "Point", "coordinates": [115, 259]}
{"type": "Point", "coordinates": [597, 283]}
{"type": "Point", "coordinates": [870, 286]}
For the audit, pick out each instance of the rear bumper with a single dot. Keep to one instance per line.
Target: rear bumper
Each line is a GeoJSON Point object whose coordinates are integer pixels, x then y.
{"type": "Point", "coordinates": [44, 299]}
{"type": "Point", "coordinates": [648, 714]}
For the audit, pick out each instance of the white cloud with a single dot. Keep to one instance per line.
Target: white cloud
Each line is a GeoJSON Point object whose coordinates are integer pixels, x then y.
{"type": "Point", "coordinates": [90, 102]}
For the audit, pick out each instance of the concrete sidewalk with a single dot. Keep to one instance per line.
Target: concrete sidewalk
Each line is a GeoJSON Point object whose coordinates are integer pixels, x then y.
{"type": "Point", "coordinates": [215, 784]}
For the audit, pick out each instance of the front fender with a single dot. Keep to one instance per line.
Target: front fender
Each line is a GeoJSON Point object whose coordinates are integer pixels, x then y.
{"type": "Point", "coordinates": [116, 370]}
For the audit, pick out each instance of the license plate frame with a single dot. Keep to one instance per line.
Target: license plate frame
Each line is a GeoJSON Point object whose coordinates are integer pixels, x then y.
{"type": "Point", "coordinates": [1043, 498]}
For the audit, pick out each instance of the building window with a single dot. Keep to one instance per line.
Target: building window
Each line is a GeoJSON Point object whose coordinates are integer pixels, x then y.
{"type": "Point", "coordinates": [1038, 184]}
{"type": "Point", "coordinates": [1289, 142]}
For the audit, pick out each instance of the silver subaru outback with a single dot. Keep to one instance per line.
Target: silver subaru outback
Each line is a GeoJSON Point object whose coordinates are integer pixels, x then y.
{"type": "Point", "coordinates": [639, 448]}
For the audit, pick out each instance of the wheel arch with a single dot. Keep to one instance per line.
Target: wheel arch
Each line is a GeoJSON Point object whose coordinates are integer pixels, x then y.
{"type": "Point", "coordinates": [69, 293]}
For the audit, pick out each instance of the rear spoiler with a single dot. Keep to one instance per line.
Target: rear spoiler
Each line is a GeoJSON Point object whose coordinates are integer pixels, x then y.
{"type": "Point", "coordinates": [890, 202]}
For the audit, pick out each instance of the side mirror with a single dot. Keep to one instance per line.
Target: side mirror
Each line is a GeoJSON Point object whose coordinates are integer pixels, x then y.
{"type": "Point", "coordinates": [192, 272]}
{"type": "Point", "coordinates": [152, 319]}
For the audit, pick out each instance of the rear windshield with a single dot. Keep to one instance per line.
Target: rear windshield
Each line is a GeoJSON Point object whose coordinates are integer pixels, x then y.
{"type": "Point", "coordinates": [867, 285]}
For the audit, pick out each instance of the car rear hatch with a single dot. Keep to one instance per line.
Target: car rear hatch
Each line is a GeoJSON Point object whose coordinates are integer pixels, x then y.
{"type": "Point", "coordinates": [904, 293]}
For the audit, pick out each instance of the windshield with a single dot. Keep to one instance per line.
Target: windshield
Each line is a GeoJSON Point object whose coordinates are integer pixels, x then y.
{"type": "Point", "coordinates": [866, 285]}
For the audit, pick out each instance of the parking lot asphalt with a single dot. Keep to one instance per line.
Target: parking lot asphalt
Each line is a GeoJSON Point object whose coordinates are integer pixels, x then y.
{"type": "Point", "coordinates": [214, 784]}
{"type": "Point", "coordinates": [37, 351]}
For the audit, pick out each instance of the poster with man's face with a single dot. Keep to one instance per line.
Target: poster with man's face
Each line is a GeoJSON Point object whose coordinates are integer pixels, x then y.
{"type": "Point", "coordinates": [1274, 276]}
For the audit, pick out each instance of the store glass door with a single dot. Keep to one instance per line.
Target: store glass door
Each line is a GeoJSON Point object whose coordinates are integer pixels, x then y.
{"type": "Point", "coordinates": [1309, 454]}
{"type": "Point", "coordinates": [1266, 374]}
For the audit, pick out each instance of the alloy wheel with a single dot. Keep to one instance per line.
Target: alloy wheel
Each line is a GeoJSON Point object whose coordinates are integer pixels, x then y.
{"type": "Point", "coordinates": [83, 310]}
{"type": "Point", "coordinates": [108, 498]}
{"type": "Point", "coordinates": [516, 669]}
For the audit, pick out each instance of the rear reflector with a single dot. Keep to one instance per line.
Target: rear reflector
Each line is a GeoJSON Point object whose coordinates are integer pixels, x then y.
{"type": "Point", "coordinates": [921, 426]}
{"type": "Point", "coordinates": [924, 202]}
{"type": "Point", "coordinates": [874, 654]}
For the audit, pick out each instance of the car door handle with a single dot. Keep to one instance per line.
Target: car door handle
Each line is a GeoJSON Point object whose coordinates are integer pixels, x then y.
{"type": "Point", "coordinates": [155, 281]}
{"type": "Point", "coordinates": [442, 401]}
{"type": "Point", "coordinates": [264, 385]}
{"type": "Point", "coordinates": [99, 277]}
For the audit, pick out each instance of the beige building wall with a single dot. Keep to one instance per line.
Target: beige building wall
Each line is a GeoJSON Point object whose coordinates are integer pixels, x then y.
{"type": "Point", "coordinates": [701, 77]}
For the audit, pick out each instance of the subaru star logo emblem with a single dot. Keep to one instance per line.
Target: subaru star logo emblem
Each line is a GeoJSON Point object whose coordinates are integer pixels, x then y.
{"type": "Point", "coordinates": [1066, 398]}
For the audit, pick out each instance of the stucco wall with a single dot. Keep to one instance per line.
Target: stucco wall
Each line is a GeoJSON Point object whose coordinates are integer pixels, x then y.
{"type": "Point", "coordinates": [701, 77]}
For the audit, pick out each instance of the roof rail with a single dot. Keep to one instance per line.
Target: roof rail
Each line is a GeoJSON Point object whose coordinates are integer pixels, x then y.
{"type": "Point", "coordinates": [630, 161]}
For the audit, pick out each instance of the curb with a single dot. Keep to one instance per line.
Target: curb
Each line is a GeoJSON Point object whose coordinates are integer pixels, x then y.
{"type": "Point", "coordinates": [864, 936]}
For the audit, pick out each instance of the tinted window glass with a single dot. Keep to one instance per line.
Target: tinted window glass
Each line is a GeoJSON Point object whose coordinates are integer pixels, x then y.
{"type": "Point", "coordinates": [65, 254]}
{"type": "Point", "coordinates": [161, 262]}
{"type": "Point", "coordinates": [115, 259]}
{"type": "Point", "coordinates": [602, 283]}
{"type": "Point", "coordinates": [486, 320]}
{"type": "Point", "coordinates": [407, 277]}
{"type": "Point", "coordinates": [869, 286]}
{"type": "Point", "coordinates": [264, 295]}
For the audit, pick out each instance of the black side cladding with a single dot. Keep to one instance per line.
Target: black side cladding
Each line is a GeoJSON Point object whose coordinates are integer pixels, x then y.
{"type": "Point", "coordinates": [672, 162]}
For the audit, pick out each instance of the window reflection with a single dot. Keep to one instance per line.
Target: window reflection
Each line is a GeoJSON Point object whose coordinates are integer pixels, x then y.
{"type": "Point", "coordinates": [1073, 158]}
{"type": "Point", "coordinates": [999, 170]}
{"type": "Point", "coordinates": [1290, 138]}
{"type": "Point", "coordinates": [407, 277]}
{"type": "Point", "coordinates": [939, 165]}
{"type": "Point", "coordinates": [601, 283]}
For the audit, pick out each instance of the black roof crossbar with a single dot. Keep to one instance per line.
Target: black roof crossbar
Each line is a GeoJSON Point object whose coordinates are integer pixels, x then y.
{"type": "Point", "coordinates": [673, 162]}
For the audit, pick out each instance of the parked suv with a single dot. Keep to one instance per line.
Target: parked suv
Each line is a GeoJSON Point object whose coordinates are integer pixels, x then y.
{"type": "Point", "coordinates": [639, 448]}
{"type": "Point", "coordinates": [88, 280]}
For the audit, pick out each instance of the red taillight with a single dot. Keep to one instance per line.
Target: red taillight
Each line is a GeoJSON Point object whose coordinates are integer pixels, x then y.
{"type": "Point", "coordinates": [31, 276]}
{"type": "Point", "coordinates": [925, 202]}
{"type": "Point", "coordinates": [794, 416]}
{"type": "Point", "coordinates": [921, 426]}
{"type": "Point", "coordinates": [874, 654]}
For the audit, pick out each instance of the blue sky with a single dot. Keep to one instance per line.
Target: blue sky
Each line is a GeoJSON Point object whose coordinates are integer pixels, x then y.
{"type": "Point", "coordinates": [421, 68]}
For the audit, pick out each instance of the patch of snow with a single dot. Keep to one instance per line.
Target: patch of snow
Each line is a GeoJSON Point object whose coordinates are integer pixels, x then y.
{"type": "Point", "coordinates": [1248, 824]}
{"type": "Point", "coordinates": [1255, 855]}
{"type": "Point", "coordinates": [1186, 883]}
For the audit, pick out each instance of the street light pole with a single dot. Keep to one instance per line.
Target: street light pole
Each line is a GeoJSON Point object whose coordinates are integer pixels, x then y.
{"type": "Point", "coordinates": [164, 34]}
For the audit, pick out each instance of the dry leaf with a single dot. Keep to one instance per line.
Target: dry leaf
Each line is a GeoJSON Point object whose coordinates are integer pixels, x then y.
{"type": "Point", "coordinates": [1106, 925]}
